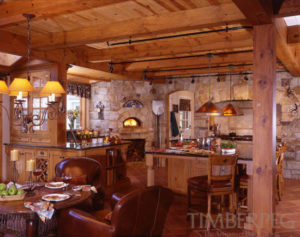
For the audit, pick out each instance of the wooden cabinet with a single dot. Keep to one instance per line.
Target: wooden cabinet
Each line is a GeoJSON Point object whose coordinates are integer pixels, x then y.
{"type": "Point", "coordinates": [47, 158]}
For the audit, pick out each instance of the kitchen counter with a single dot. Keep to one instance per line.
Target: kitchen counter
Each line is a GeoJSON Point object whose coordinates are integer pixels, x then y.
{"type": "Point", "coordinates": [47, 156]}
{"type": "Point", "coordinates": [189, 154]}
{"type": "Point", "coordinates": [68, 145]}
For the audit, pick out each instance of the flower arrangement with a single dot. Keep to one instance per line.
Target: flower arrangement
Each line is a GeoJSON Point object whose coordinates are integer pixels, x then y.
{"type": "Point", "coordinates": [72, 116]}
{"type": "Point", "coordinates": [84, 134]}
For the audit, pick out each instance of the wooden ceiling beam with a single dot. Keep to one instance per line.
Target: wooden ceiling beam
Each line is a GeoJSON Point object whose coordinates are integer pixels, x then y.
{"type": "Point", "coordinates": [157, 24]}
{"type": "Point", "coordinates": [226, 58]}
{"type": "Point", "coordinates": [293, 34]}
{"type": "Point", "coordinates": [5, 69]}
{"type": "Point", "coordinates": [15, 44]}
{"type": "Point", "coordinates": [285, 52]}
{"type": "Point", "coordinates": [257, 12]}
{"type": "Point", "coordinates": [194, 71]}
{"type": "Point", "coordinates": [289, 8]}
{"type": "Point", "coordinates": [165, 48]}
{"type": "Point", "coordinates": [11, 12]}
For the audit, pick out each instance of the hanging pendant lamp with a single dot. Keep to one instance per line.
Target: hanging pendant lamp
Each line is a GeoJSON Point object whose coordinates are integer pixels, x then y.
{"type": "Point", "coordinates": [209, 108]}
{"type": "Point", "coordinates": [52, 89]}
{"type": "Point", "coordinates": [230, 109]}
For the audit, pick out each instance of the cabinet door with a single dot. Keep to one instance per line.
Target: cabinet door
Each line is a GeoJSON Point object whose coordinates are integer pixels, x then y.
{"type": "Point", "coordinates": [24, 155]}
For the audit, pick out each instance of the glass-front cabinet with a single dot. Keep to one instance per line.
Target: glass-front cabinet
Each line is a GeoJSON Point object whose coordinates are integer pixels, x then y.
{"type": "Point", "coordinates": [34, 107]}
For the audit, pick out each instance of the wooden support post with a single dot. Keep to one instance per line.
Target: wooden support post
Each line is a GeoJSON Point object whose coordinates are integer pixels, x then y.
{"type": "Point", "coordinates": [59, 73]}
{"type": "Point", "coordinates": [150, 169]}
{"type": "Point", "coordinates": [264, 128]}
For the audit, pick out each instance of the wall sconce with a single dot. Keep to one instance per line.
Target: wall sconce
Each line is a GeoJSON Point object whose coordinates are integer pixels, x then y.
{"type": "Point", "coordinates": [100, 109]}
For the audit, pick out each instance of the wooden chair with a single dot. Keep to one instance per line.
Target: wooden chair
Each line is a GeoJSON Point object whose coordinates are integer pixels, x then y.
{"type": "Point", "coordinates": [220, 181]}
{"type": "Point", "coordinates": [279, 172]}
{"type": "Point", "coordinates": [242, 187]}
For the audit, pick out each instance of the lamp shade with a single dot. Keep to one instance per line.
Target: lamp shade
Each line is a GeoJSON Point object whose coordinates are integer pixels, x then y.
{"type": "Point", "coordinates": [21, 84]}
{"type": "Point", "coordinates": [209, 109]}
{"type": "Point", "coordinates": [15, 93]}
{"type": "Point", "coordinates": [52, 87]}
{"type": "Point", "coordinates": [231, 110]}
{"type": "Point", "coordinates": [3, 88]}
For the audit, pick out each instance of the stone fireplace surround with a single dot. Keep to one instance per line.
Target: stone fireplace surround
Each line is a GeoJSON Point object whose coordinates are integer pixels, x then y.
{"type": "Point", "coordinates": [138, 132]}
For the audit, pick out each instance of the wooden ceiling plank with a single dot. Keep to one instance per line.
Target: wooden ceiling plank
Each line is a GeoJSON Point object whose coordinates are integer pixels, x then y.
{"type": "Point", "coordinates": [11, 12]}
{"type": "Point", "coordinates": [169, 22]}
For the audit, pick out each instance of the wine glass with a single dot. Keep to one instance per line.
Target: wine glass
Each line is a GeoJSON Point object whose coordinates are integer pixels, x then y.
{"type": "Point", "coordinates": [37, 172]}
{"type": "Point", "coordinates": [67, 179]}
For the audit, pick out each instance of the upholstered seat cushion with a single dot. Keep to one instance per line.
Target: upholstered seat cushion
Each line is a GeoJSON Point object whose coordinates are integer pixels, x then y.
{"type": "Point", "coordinates": [201, 183]}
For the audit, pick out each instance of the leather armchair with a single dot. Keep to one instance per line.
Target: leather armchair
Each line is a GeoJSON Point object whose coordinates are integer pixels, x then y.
{"type": "Point", "coordinates": [140, 213]}
{"type": "Point", "coordinates": [89, 171]}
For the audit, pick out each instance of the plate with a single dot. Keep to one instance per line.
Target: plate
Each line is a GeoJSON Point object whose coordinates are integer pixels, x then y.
{"type": "Point", "coordinates": [77, 188]}
{"type": "Point", "coordinates": [56, 185]}
{"type": "Point", "coordinates": [55, 197]}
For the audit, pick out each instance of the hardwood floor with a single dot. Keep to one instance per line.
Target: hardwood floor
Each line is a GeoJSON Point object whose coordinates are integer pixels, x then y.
{"type": "Point", "coordinates": [287, 210]}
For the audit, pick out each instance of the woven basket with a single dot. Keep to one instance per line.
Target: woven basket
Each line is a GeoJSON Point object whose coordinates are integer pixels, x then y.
{"type": "Point", "coordinates": [12, 198]}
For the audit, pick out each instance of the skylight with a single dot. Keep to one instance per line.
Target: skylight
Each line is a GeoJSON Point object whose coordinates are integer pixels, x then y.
{"type": "Point", "coordinates": [292, 20]}
{"type": "Point", "coordinates": [8, 59]}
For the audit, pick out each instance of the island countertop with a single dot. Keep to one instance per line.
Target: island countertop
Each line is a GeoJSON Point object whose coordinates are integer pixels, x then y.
{"type": "Point", "coordinates": [189, 154]}
{"type": "Point", "coordinates": [70, 146]}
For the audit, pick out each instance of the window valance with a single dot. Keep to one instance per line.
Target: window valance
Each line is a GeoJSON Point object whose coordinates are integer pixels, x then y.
{"type": "Point", "coordinates": [82, 90]}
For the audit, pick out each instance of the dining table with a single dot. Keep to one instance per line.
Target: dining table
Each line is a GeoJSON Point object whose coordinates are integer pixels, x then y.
{"type": "Point", "coordinates": [16, 219]}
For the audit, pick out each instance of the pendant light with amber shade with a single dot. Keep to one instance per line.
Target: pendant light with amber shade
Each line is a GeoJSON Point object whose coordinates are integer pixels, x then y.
{"type": "Point", "coordinates": [230, 109]}
{"type": "Point", "coordinates": [52, 89]}
{"type": "Point", "coordinates": [209, 108]}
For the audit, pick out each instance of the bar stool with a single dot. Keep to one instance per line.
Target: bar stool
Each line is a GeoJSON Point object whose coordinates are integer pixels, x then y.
{"type": "Point", "coordinates": [279, 171]}
{"type": "Point", "coordinates": [242, 191]}
{"type": "Point", "coordinates": [220, 181]}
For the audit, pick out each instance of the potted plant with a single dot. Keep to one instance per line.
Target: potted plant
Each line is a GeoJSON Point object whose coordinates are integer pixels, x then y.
{"type": "Point", "coordinates": [228, 148]}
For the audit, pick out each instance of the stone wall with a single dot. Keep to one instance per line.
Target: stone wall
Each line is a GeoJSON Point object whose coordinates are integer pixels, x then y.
{"type": "Point", "coordinates": [114, 94]}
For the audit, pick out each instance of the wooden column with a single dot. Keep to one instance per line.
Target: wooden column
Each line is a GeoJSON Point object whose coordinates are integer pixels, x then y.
{"type": "Point", "coordinates": [264, 128]}
{"type": "Point", "coordinates": [150, 170]}
{"type": "Point", "coordinates": [59, 73]}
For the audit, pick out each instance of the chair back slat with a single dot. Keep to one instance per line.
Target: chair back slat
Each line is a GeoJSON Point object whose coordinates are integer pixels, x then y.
{"type": "Point", "coordinates": [222, 168]}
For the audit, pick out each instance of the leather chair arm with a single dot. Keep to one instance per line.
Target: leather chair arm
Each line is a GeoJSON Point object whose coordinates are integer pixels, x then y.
{"type": "Point", "coordinates": [73, 222]}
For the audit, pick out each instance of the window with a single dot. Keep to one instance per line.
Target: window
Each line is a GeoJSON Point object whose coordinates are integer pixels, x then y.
{"type": "Point", "coordinates": [74, 102]}
{"type": "Point", "coordinates": [184, 121]}
{"type": "Point", "coordinates": [38, 107]}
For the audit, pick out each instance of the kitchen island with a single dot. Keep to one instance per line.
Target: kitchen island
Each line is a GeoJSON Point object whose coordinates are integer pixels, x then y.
{"type": "Point", "coordinates": [47, 156]}
{"type": "Point", "coordinates": [183, 165]}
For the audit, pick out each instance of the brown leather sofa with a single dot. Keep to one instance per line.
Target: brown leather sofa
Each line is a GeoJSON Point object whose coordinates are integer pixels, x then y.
{"type": "Point", "coordinates": [140, 213]}
{"type": "Point", "coordinates": [83, 171]}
